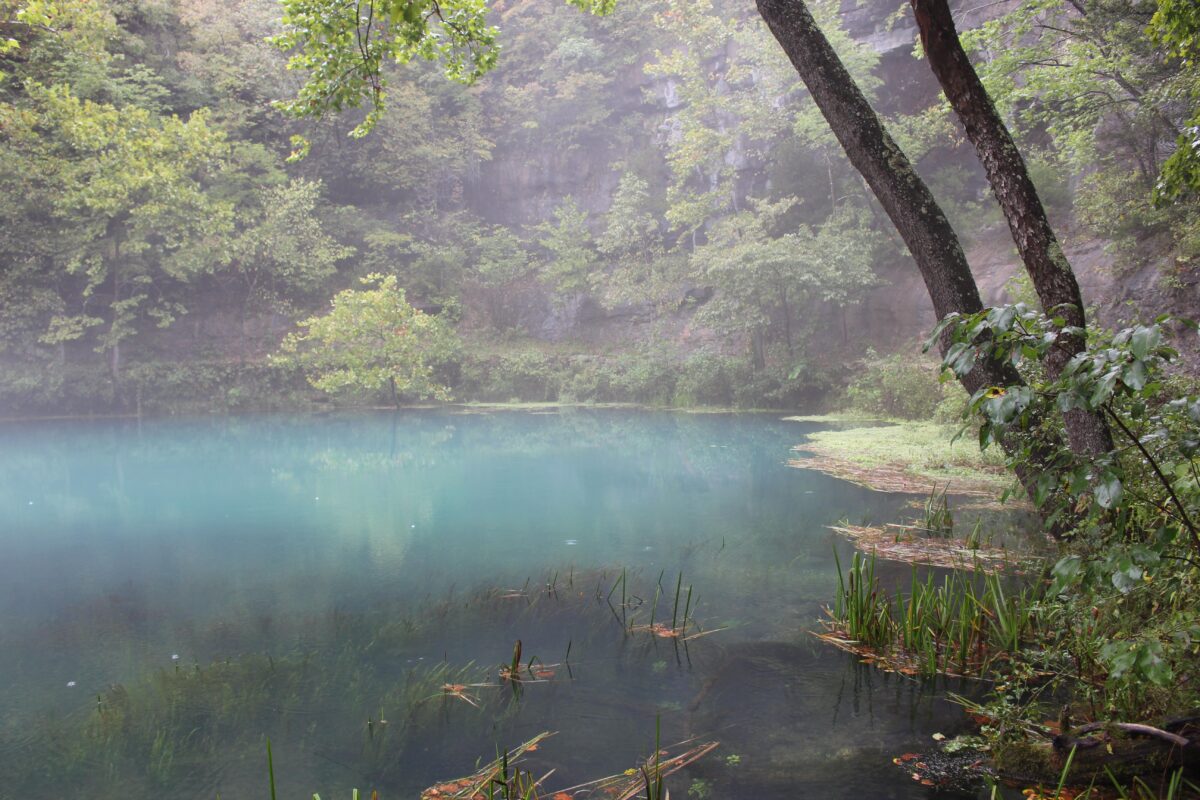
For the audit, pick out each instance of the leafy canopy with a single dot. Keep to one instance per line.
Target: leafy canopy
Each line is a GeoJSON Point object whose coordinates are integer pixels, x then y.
{"type": "Point", "coordinates": [343, 47]}
{"type": "Point", "coordinates": [373, 338]}
{"type": "Point", "coordinates": [125, 190]}
{"type": "Point", "coordinates": [1176, 25]}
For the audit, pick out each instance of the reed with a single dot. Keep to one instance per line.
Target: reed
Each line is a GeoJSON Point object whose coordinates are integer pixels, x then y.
{"type": "Point", "coordinates": [501, 778]}
{"type": "Point", "coordinates": [1177, 788]}
{"type": "Point", "coordinates": [270, 769]}
{"type": "Point", "coordinates": [680, 622]}
{"type": "Point", "coordinates": [654, 782]}
{"type": "Point", "coordinates": [937, 520]}
{"type": "Point", "coordinates": [956, 625]}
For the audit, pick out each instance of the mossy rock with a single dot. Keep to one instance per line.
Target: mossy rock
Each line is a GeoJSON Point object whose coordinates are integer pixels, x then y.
{"type": "Point", "coordinates": [1123, 758]}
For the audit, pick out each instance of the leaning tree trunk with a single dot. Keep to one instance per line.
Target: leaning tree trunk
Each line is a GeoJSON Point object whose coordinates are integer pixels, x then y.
{"type": "Point", "coordinates": [901, 192]}
{"type": "Point", "coordinates": [1057, 289]}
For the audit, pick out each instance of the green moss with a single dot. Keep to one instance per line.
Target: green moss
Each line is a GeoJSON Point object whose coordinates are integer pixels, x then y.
{"type": "Point", "coordinates": [1026, 761]}
{"type": "Point", "coordinates": [925, 449]}
{"type": "Point", "coordinates": [1038, 762]}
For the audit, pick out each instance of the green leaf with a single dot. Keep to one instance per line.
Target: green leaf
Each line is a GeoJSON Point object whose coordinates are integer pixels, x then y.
{"type": "Point", "coordinates": [1108, 490]}
{"type": "Point", "coordinates": [1103, 390]}
{"type": "Point", "coordinates": [1143, 340]}
{"type": "Point", "coordinates": [1135, 375]}
{"type": "Point", "coordinates": [1067, 573]}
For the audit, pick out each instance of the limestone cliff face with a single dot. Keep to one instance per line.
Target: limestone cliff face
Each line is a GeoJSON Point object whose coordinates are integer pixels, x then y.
{"type": "Point", "coordinates": [522, 184]}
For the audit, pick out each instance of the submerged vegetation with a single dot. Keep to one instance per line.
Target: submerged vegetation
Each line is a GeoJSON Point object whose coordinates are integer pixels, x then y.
{"type": "Point", "coordinates": [191, 722]}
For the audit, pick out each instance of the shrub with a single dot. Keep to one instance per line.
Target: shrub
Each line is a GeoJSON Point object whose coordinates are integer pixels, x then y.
{"type": "Point", "coordinates": [156, 387]}
{"type": "Point", "coordinates": [706, 379]}
{"type": "Point", "coordinates": [900, 385]}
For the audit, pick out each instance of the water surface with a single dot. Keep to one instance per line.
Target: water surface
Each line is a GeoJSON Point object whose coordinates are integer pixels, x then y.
{"type": "Point", "coordinates": [172, 592]}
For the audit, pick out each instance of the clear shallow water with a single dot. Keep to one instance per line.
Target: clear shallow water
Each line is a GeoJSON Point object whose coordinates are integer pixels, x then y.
{"type": "Point", "coordinates": [174, 591]}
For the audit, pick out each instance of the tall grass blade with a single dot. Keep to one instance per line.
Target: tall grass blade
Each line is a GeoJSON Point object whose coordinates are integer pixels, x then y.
{"type": "Point", "coordinates": [271, 768]}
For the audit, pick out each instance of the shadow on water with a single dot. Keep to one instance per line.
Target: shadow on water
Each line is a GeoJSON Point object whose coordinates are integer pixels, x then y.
{"type": "Point", "coordinates": [174, 593]}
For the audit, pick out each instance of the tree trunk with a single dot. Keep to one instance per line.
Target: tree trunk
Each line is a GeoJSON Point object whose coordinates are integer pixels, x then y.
{"type": "Point", "coordinates": [900, 191]}
{"type": "Point", "coordinates": [787, 323]}
{"type": "Point", "coordinates": [1057, 289]}
{"type": "Point", "coordinates": [757, 350]}
{"type": "Point", "coordinates": [114, 355]}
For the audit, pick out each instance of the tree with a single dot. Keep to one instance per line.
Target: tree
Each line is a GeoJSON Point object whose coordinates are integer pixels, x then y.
{"type": "Point", "coordinates": [638, 266]}
{"type": "Point", "coordinates": [284, 254]}
{"type": "Point", "coordinates": [1037, 244]}
{"type": "Point", "coordinates": [1176, 25]}
{"type": "Point", "coordinates": [631, 232]}
{"type": "Point", "coordinates": [343, 47]}
{"type": "Point", "coordinates": [500, 262]}
{"type": "Point", "coordinates": [570, 252]}
{"type": "Point", "coordinates": [739, 128]}
{"type": "Point", "coordinates": [371, 339]}
{"type": "Point", "coordinates": [125, 191]}
{"type": "Point", "coordinates": [764, 281]}
{"type": "Point", "coordinates": [1105, 89]}
{"type": "Point", "coordinates": [904, 196]}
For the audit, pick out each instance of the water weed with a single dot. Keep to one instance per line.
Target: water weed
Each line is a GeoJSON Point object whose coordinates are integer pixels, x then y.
{"type": "Point", "coordinates": [958, 625]}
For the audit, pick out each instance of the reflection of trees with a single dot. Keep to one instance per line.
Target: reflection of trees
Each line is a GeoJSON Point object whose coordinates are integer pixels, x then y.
{"type": "Point", "coordinates": [372, 473]}
{"type": "Point", "coordinates": [279, 511]}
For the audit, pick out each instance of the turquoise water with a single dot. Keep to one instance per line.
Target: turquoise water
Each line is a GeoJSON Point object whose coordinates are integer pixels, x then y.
{"type": "Point", "coordinates": [172, 592]}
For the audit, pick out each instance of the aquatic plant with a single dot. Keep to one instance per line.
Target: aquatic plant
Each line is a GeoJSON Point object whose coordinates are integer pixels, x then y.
{"type": "Point", "coordinates": [500, 778]}
{"type": "Point", "coordinates": [958, 625]}
{"type": "Point", "coordinates": [909, 544]}
{"type": "Point", "coordinates": [936, 520]}
{"type": "Point", "coordinates": [351, 686]}
{"type": "Point", "coordinates": [504, 779]}
{"type": "Point", "coordinates": [680, 623]}
{"type": "Point", "coordinates": [647, 779]}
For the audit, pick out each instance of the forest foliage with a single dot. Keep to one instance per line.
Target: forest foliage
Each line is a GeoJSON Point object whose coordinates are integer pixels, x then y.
{"type": "Point", "coordinates": [157, 215]}
{"type": "Point", "coordinates": [182, 215]}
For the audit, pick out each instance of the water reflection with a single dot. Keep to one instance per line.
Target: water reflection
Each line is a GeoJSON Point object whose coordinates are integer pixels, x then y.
{"type": "Point", "coordinates": [309, 570]}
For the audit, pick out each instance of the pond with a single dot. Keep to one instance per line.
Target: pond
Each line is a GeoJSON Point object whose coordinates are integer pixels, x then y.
{"type": "Point", "coordinates": [174, 592]}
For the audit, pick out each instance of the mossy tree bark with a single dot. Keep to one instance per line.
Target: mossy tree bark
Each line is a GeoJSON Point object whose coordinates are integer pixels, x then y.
{"type": "Point", "coordinates": [1040, 250]}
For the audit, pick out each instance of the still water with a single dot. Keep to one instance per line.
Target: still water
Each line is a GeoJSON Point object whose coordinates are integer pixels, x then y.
{"type": "Point", "coordinates": [174, 592]}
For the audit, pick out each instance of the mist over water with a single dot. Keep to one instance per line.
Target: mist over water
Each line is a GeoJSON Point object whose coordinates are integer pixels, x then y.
{"type": "Point", "coordinates": [135, 549]}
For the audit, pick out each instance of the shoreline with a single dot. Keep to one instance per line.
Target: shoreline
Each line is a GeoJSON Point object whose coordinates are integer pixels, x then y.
{"type": "Point", "coordinates": [465, 407]}
{"type": "Point", "coordinates": [901, 456]}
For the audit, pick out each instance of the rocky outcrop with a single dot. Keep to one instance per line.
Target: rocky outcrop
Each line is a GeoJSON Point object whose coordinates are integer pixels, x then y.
{"type": "Point", "coordinates": [522, 185]}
